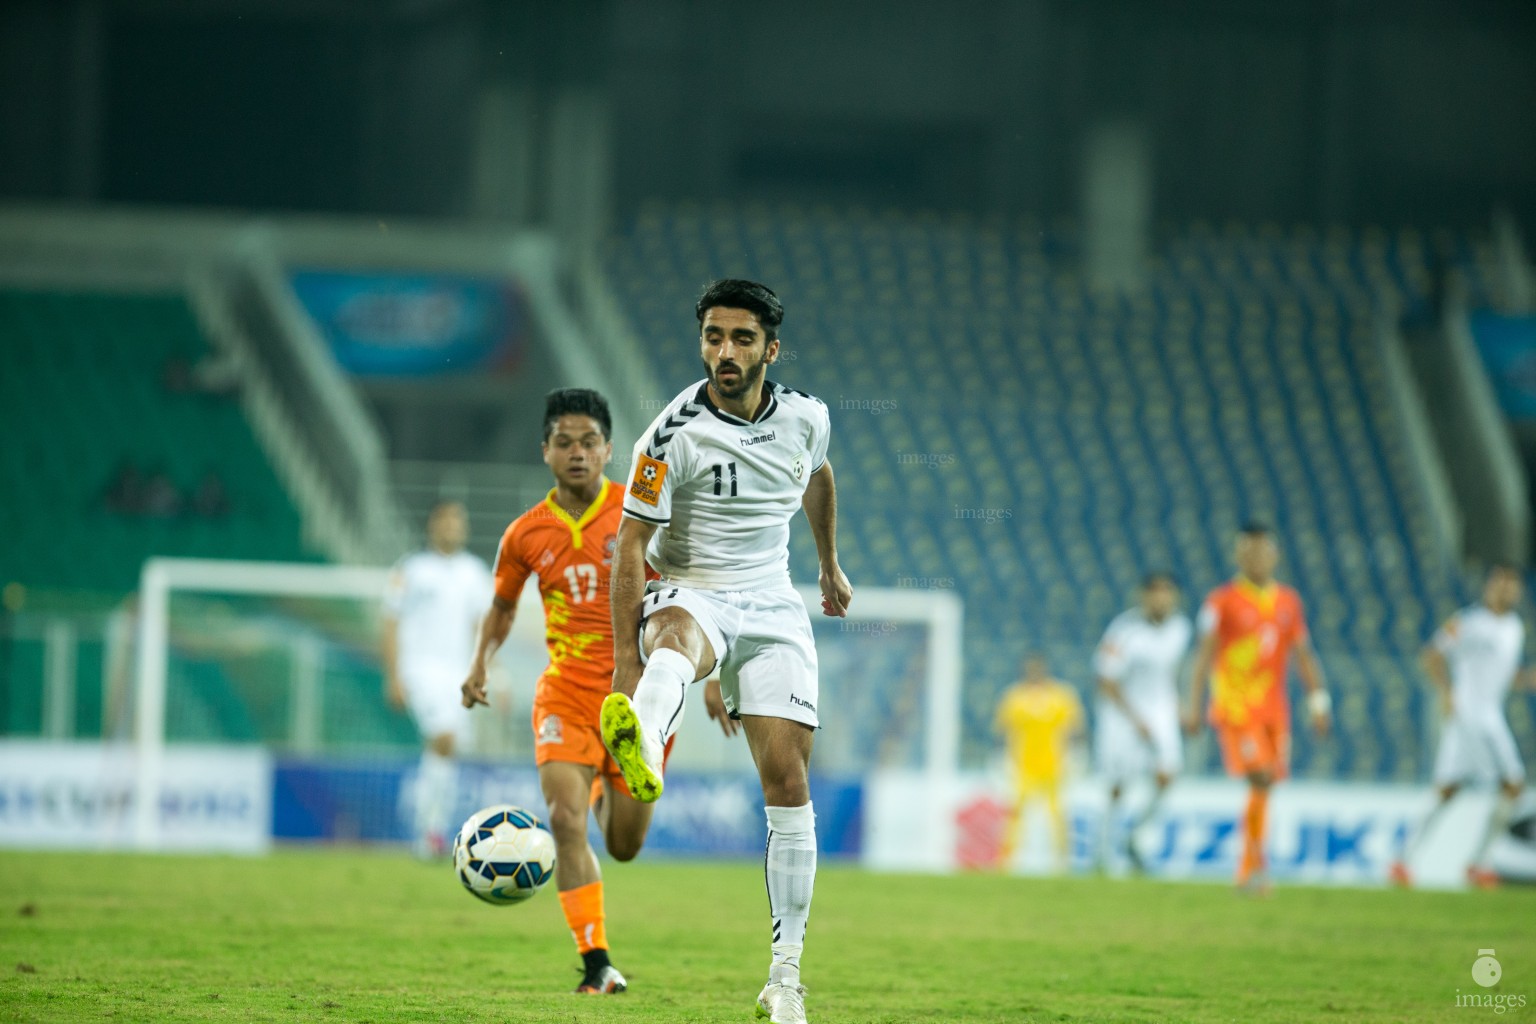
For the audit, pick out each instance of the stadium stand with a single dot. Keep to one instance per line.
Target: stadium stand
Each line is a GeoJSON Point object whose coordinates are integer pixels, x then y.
{"type": "Point", "coordinates": [104, 384]}
{"type": "Point", "coordinates": [1004, 431]}
{"type": "Point", "coordinates": [117, 420]}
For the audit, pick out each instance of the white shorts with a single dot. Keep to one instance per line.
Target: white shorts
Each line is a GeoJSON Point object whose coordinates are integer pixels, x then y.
{"type": "Point", "coordinates": [1477, 749]}
{"type": "Point", "coordinates": [1123, 755]}
{"type": "Point", "coordinates": [435, 701]}
{"type": "Point", "coordinates": [764, 650]}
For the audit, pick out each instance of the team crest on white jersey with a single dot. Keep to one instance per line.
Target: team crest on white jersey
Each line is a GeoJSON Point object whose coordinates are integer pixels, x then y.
{"type": "Point", "coordinates": [797, 464]}
{"type": "Point", "coordinates": [551, 730]}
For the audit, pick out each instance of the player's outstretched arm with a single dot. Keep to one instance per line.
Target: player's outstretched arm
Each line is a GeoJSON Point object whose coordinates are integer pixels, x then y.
{"type": "Point", "coordinates": [1434, 665]}
{"type": "Point", "coordinates": [714, 703]}
{"type": "Point", "coordinates": [494, 629]}
{"type": "Point", "coordinates": [1319, 703]}
{"type": "Point", "coordinates": [626, 589]}
{"type": "Point", "coordinates": [389, 647]}
{"type": "Point", "coordinates": [1205, 654]}
{"type": "Point", "coordinates": [820, 504]}
{"type": "Point", "coordinates": [1112, 693]}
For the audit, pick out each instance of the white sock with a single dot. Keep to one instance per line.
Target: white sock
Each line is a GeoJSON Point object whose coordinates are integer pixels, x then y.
{"type": "Point", "coordinates": [790, 867]}
{"type": "Point", "coordinates": [1503, 810]}
{"type": "Point", "coordinates": [1423, 829]}
{"type": "Point", "coordinates": [437, 783]}
{"type": "Point", "coordinates": [1149, 811]}
{"type": "Point", "coordinates": [1107, 833]}
{"type": "Point", "coordinates": [659, 696]}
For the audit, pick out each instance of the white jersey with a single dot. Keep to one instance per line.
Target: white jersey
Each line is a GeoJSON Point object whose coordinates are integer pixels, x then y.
{"type": "Point", "coordinates": [722, 490]}
{"type": "Point", "coordinates": [1484, 651]}
{"type": "Point", "coordinates": [1143, 657]}
{"type": "Point", "coordinates": [437, 601]}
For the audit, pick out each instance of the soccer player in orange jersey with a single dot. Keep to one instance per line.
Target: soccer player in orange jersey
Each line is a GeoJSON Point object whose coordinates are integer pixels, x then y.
{"type": "Point", "coordinates": [567, 540]}
{"type": "Point", "coordinates": [1249, 628]}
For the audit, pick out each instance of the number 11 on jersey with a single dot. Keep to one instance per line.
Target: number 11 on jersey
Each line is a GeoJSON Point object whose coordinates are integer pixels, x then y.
{"type": "Point", "coordinates": [720, 472]}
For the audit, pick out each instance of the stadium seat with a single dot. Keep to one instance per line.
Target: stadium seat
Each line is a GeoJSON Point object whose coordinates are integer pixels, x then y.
{"type": "Point", "coordinates": [1122, 433]}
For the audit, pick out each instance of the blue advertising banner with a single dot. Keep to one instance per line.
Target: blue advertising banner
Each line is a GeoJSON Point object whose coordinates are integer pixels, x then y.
{"type": "Point", "coordinates": [413, 325]}
{"type": "Point", "coordinates": [700, 815]}
{"type": "Point", "coordinates": [1508, 348]}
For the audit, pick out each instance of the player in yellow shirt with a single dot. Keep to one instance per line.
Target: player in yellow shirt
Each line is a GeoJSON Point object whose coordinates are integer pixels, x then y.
{"type": "Point", "coordinates": [1038, 716]}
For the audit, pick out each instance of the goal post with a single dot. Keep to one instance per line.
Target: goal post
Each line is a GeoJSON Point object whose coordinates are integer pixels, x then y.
{"type": "Point", "coordinates": [890, 671]}
{"type": "Point", "coordinates": [159, 578]}
{"type": "Point", "coordinates": [942, 613]}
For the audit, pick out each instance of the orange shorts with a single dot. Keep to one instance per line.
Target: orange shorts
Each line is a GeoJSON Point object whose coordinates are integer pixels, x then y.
{"type": "Point", "coordinates": [565, 728]}
{"type": "Point", "coordinates": [1255, 747]}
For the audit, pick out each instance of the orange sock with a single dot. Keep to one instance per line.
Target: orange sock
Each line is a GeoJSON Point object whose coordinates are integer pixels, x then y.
{"type": "Point", "coordinates": [583, 908]}
{"type": "Point", "coordinates": [1253, 832]}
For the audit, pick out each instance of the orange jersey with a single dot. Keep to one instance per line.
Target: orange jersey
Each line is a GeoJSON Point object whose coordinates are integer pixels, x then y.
{"type": "Point", "coordinates": [572, 558]}
{"type": "Point", "coordinates": [1256, 629]}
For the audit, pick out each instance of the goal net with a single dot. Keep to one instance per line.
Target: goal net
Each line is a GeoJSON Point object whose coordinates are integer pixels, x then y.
{"type": "Point", "coordinates": [285, 657]}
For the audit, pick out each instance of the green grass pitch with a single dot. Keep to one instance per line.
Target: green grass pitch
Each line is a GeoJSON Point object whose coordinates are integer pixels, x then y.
{"type": "Point", "coordinates": [339, 935]}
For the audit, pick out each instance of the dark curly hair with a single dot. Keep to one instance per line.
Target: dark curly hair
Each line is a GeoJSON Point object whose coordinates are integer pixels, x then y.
{"type": "Point", "coordinates": [734, 293]}
{"type": "Point", "coordinates": [576, 402]}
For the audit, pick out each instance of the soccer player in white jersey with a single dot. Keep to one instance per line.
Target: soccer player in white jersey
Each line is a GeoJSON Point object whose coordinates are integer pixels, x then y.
{"type": "Point", "coordinates": [431, 613]}
{"type": "Point", "coordinates": [1137, 663]}
{"type": "Point", "coordinates": [1473, 660]}
{"type": "Point", "coordinates": [716, 479]}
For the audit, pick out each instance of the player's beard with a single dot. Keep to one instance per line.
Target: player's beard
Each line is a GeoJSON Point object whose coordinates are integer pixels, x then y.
{"type": "Point", "coordinates": [746, 380]}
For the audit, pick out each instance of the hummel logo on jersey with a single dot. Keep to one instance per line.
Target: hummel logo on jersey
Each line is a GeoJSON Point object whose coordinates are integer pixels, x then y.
{"type": "Point", "coordinates": [748, 442]}
{"type": "Point", "coordinates": [803, 703]}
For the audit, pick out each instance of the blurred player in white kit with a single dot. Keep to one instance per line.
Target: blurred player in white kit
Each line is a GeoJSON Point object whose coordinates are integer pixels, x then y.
{"type": "Point", "coordinates": [432, 609]}
{"type": "Point", "coordinates": [1473, 660]}
{"type": "Point", "coordinates": [1138, 663]}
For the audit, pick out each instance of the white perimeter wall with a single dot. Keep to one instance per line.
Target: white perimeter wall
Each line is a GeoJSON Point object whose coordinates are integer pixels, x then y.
{"type": "Point", "coordinates": [1319, 832]}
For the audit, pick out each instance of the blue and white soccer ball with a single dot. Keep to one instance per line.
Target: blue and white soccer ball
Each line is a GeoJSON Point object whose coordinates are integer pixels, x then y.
{"type": "Point", "coordinates": [504, 854]}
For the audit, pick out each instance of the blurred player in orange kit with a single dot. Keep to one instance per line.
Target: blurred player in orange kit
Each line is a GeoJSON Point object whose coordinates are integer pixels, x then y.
{"type": "Point", "coordinates": [1248, 629]}
{"type": "Point", "coordinates": [567, 540]}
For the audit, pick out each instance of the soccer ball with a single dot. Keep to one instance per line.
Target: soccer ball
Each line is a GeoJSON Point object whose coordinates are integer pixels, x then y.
{"type": "Point", "coordinates": [503, 854]}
